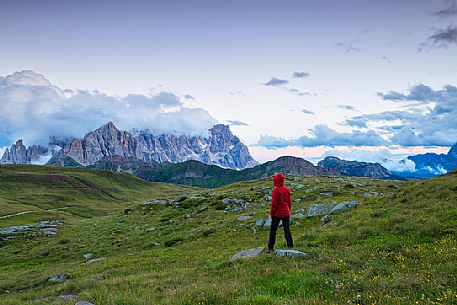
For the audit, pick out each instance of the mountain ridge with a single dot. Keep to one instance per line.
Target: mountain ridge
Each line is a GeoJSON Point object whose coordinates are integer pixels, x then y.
{"type": "Point", "coordinates": [220, 147]}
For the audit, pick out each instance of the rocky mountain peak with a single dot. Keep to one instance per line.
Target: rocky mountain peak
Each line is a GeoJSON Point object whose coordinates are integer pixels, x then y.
{"type": "Point", "coordinates": [453, 152]}
{"type": "Point", "coordinates": [356, 168]}
{"type": "Point", "coordinates": [20, 154]}
{"type": "Point", "coordinates": [220, 147]}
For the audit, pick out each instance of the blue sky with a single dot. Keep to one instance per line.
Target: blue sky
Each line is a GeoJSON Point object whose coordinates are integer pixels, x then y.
{"type": "Point", "coordinates": [291, 77]}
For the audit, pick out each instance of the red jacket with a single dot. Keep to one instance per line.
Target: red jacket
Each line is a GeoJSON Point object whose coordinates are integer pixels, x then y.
{"type": "Point", "coordinates": [281, 200]}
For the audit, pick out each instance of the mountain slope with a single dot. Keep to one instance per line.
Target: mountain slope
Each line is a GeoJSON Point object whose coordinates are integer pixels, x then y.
{"type": "Point", "coordinates": [69, 193]}
{"type": "Point", "coordinates": [196, 173]}
{"type": "Point", "coordinates": [397, 247]}
{"type": "Point", "coordinates": [357, 169]}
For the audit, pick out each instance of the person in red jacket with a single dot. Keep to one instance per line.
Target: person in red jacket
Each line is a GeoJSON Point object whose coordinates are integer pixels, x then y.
{"type": "Point", "coordinates": [281, 203]}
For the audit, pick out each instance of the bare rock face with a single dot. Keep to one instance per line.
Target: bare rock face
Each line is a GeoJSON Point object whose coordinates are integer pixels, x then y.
{"type": "Point", "coordinates": [220, 148]}
{"type": "Point", "coordinates": [19, 154]}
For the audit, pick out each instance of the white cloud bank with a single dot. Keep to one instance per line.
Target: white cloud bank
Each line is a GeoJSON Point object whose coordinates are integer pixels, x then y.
{"type": "Point", "coordinates": [32, 108]}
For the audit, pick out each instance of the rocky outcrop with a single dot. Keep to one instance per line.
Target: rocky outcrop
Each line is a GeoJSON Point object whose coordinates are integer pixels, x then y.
{"type": "Point", "coordinates": [356, 168]}
{"type": "Point", "coordinates": [220, 148]}
{"type": "Point", "coordinates": [330, 208]}
{"type": "Point", "coordinates": [19, 154]}
{"type": "Point", "coordinates": [288, 165]}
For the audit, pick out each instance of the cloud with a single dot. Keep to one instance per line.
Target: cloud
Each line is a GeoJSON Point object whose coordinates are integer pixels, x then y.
{"type": "Point", "coordinates": [432, 123]}
{"type": "Point", "coordinates": [239, 93]}
{"type": "Point", "coordinates": [297, 92]}
{"type": "Point", "coordinates": [305, 111]}
{"type": "Point", "coordinates": [188, 97]}
{"type": "Point", "coordinates": [322, 135]}
{"type": "Point", "coordinates": [347, 107]}
{"type": "Point", "coordinates": [32, 108]}
{"type": "Point", "coordinates": [274, 81]}
{"type": "Point", "coordinates": [449, 11]}
{"type": "Point", "coordinates": [441, 38]}
{"type": "Point", "coordinates": [349, 46]}
{"type": "Point", "coordinates": [237, 123]}
{"type": "Point", "coordinates": [300, 74]}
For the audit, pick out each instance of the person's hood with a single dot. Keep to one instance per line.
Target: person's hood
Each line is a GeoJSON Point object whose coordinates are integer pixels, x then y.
{"type": "Point", "coordinates": [278, 180]}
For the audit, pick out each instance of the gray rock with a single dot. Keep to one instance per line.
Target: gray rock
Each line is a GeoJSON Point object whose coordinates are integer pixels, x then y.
{"type": "Point", "coordinates": [290, 253]}
{"type": "Point", "coordinates": [95, 260]}
{"type": "Point", "coordinates": [260, 222]}
{"type": "Point", "coordinates": [84, 303]}
{"type": "Point", "coordinates": [87, 256]}
{"type": "Point", "coordinates": [254, 252]}
{"type": "Point", "coordinates": [66, 297]}
{"type": "Point", "coordinates": [320, 209]}
{"type": "Point", "coordinates": [344, 206]}
{"type": "Point", "coordinates": [226, 201]}
{"type": "Point", "coordinates": [297, 216]}
{"type": "Point", "coordinates": [244, 218]}
{"type": "Point", "coordinates": [268, 198]}
{"type": "Point", "coordinates": [58, 278]}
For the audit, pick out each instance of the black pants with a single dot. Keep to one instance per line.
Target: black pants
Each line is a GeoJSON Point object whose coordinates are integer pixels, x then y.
{"type": "Point", "coordinates": [274, 226]}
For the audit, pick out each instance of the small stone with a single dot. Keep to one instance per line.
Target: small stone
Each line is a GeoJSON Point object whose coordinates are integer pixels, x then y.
{"type": "Point", "coordinates": [226, 201]}
{"type": "Point", "coordinates": [97, 277]}
{"type": "Point", "coordinates": [87, 256]}
{"type": "Point", "coordinates": [84, 303]}
{"type": "Point", "coordinates": [260, 222]}
{"type": "Point", "coordinates": [95, 260]}
{"type": "Point", "coordinates": [254, 252]}
{"type": "Point", "coordinates": [58, 278]}
{"type": "Point", "coordinates": [244, 217]}
{"type": "Point", "coordinates": [290, 253]}
{"type": "Point", "coordinates": [66, 297]}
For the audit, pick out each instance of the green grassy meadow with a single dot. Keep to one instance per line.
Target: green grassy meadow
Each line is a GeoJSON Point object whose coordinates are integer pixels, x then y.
{"type": "Point", "coordinates": [397, 247]}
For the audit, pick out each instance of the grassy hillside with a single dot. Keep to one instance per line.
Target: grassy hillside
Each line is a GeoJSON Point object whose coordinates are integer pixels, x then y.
{"type": "Point", "coordinates": [42, 192]}
{"type": "Point", "coordinates": [397, 247]}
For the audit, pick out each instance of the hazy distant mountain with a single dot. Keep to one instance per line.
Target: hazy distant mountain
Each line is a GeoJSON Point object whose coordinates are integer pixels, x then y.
{"type": "Point", "coordinates": [432, 164]}
{"type": "Point", "coordinates": [19, 154]}
{"type": "Point", "coordinates": [220, 148]}
{"type": "Point", "coordinates": [357, 169]}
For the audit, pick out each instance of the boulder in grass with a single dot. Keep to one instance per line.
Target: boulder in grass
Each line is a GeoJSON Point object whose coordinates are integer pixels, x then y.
{"type": "Point", "coordinates": [320, 209]}
{"type": "Point", "coordinates": [84, 303]}
{"type": "Point", "coordinates": [59, 278]}
{"type": "Point", "coordinates": [254, 252]}
{"type": "Point", "coordinates": [344, 206]}
{"type": "Point", "coordinates": [260, 222]}
{"type": "Point", "coordinates": [290, 253]}
{"type": "Point", "coordinates": [244, 217]}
